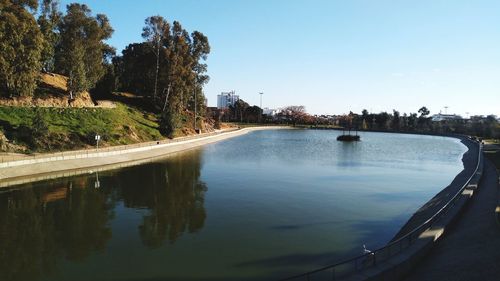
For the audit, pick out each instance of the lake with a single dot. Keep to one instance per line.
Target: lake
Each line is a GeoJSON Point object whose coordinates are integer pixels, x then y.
{"type": "Point", "coordinates": [261, 206]}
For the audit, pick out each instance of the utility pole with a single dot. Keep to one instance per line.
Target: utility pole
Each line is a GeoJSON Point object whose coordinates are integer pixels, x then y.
{"type": "Point", "coordinates": [195, 112]}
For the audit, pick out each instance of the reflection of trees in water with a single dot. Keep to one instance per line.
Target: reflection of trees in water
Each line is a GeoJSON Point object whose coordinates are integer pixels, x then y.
{"type": "Point", "coordinates": [173, 192]}
{"type": "Point", "coordinates": [40, 225]}
{"type": "Point", "coordinates": [48, 221]}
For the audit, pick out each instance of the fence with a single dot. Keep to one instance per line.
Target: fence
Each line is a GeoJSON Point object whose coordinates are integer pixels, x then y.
{"type": "Point", "coordinates": [350, 266]}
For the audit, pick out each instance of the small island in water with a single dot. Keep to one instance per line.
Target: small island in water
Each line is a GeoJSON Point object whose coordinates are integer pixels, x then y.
{"type": "Point", "coordinates": [348, 137]}
{"type": "Point", "coordinates": [347, 122]}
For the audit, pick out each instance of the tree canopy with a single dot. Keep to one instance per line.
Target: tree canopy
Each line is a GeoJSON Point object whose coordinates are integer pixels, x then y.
{"type": "Point", "coordinates": [20, 47]}
{"type": "Point", "coordinates": [82, 53]}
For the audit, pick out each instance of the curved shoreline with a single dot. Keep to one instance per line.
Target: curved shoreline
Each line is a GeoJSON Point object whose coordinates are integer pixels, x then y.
{"type": "Point", "coordinates": [78, 162]}
{"type": "Point", "coordinates": [469, 160]}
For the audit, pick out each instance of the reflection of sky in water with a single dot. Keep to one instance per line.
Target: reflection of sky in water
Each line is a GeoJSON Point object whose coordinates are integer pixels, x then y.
{"type": "Point", "coordinates": [270, 203]}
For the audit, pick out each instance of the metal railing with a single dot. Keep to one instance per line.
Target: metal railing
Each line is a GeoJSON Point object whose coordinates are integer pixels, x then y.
{"type": "Point", "coordinates": [350, 266]}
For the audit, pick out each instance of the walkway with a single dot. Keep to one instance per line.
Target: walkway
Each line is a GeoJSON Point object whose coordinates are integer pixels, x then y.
{"type": "Point", "coordinates": [471, 249]}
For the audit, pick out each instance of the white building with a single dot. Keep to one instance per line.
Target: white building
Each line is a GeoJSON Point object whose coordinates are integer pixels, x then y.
{"type": "Point", "coordinates": [225, 99]}
{"type": "Point", "coordinates": [270, 111]}
{"type": "Point", "coordinates": [443, 117]}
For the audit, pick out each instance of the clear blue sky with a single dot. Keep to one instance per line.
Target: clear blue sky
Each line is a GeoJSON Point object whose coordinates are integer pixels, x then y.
{"type": "Point", "coordinates": [336, 56]}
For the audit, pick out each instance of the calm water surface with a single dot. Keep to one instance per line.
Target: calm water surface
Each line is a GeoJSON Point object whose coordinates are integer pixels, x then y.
{"type": "Point", "coordinates": [258, 207]}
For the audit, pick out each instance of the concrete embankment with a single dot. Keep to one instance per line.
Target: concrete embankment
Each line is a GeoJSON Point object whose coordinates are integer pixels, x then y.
{"type": "Point", "coordinates": [73, 162]}
{"type": "Point", "coordinates": [469, 160]}
{"type": "Point", "coordinates": [470, 251]}
{"type": "Point", "coordinates": [421, 233]}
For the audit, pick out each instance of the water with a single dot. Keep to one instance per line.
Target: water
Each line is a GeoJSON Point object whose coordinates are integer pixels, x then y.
{"type": "Point", "coordinates": [262, 206]}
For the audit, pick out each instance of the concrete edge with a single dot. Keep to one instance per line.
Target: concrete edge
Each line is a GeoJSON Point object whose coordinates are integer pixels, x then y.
{"type": "Point", "coordinates": [397, 266]}
{"type": "Point", "coordinates": [112, 159]}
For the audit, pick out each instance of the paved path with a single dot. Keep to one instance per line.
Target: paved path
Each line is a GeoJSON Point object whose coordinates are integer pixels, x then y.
{"type": "Point", "coordinates": [471, 248]}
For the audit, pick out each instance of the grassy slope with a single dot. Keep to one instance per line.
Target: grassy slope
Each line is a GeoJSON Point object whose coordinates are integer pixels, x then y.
{"type": "Point", "coordinates": [70, 128]}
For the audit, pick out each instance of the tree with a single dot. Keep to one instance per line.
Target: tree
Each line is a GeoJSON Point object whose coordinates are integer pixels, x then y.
{"type": "Point", "coordinates": [169, 67]}
{"type": "Point", "coordinates": [238, 109]}
{"type": "Point", "coordinates": [422, 119]}
{"type": "Point", "coordinates": [423, 111]}
{"type": "Point", "coordinates": [20, 47]}
{"type": "Point", "coordinates": [134, 69]}
{"type": "Point", "coordinates": [295, 113]}
{"type": "Point", "coordinates": [396, 120]}
{"type": "Point", "coordinates": [48, 21]}
{"type": "Point", "coordinates": [155, 32]}
{"type": "Point", "coordinates": [82, 53]}
{"type": "Point", "coordinates": [382, 119]}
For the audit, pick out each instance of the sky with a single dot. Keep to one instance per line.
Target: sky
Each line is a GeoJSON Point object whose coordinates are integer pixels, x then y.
{"type": "Point", "coordinates": [336, 56]}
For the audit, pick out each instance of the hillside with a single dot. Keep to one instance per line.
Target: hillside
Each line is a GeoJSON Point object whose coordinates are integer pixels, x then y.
{"type": "Point", "coordinates": [51, 92]}
{"type": "Point", "coordinates": [47, 122]}
{"type": "Point", "coordinates": [52, 129]}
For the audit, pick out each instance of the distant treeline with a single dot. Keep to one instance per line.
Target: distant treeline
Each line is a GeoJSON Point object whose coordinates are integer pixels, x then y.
{"type": "Point", "coordinates": [167, 67]}
{"type": "Point", "coordinates": [420, 122]}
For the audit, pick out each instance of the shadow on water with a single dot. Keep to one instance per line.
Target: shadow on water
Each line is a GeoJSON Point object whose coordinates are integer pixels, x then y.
{"type": "Point", "coordinates": [374, 234]}
{"type": "Point", "coordinates": [288, 227]}
{"type": "Point", "coordinates": [42, 224]}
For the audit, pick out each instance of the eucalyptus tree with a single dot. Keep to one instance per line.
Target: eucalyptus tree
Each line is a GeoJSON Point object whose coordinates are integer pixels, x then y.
{"type": "Point", "coordinates": [82, 53]}
{"type": "Point", "coordinates": [49, 20]}
{"type": "Point", "coordinates": [20, 47]}
{"type": "Point", "coordinates": [156, 31]}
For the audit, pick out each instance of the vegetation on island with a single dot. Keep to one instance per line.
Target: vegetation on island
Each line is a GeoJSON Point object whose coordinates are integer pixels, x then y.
{"type": "Point", "coordinates": [162, 78]}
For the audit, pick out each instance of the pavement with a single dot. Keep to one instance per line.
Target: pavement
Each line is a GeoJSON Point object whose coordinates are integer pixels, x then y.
{"type": "Point", "coordinates": [470, 250]}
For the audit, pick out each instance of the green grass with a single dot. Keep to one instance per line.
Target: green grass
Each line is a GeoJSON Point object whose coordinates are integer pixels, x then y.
{"type": "Point", "coordinates": [71, 128]}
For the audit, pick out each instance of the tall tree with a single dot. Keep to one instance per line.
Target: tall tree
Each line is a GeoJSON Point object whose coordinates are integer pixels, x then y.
{"type": "Point", "coordinates": [20, 47]}
{"type": "Point", "coordinates": [48, 21]}
{"type": "Point", "coordinates": [170, 68]}
{"type": "Point", "coordinates": [82, 53]}
{"type": "Point", "coordinates": [156, 31]}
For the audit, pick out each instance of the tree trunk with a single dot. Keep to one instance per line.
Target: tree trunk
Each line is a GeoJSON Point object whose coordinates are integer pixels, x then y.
{"type": "Point", "coordinates": [157, 68]}
{"type": "Point", "coordinates": [166, 98]}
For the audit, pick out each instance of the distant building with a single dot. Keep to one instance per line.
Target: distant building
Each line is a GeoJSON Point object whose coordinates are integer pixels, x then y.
{"type": "Point", "coordinates": [226, 99]}
{"type": "Point", "coordinates": [270, 111]}
{"type": "Point", "coordinates": [445, 117]}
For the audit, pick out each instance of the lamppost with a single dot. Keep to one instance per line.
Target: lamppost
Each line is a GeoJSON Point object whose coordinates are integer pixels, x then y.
{"type": "Point", "coordinates": [97, 139]}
